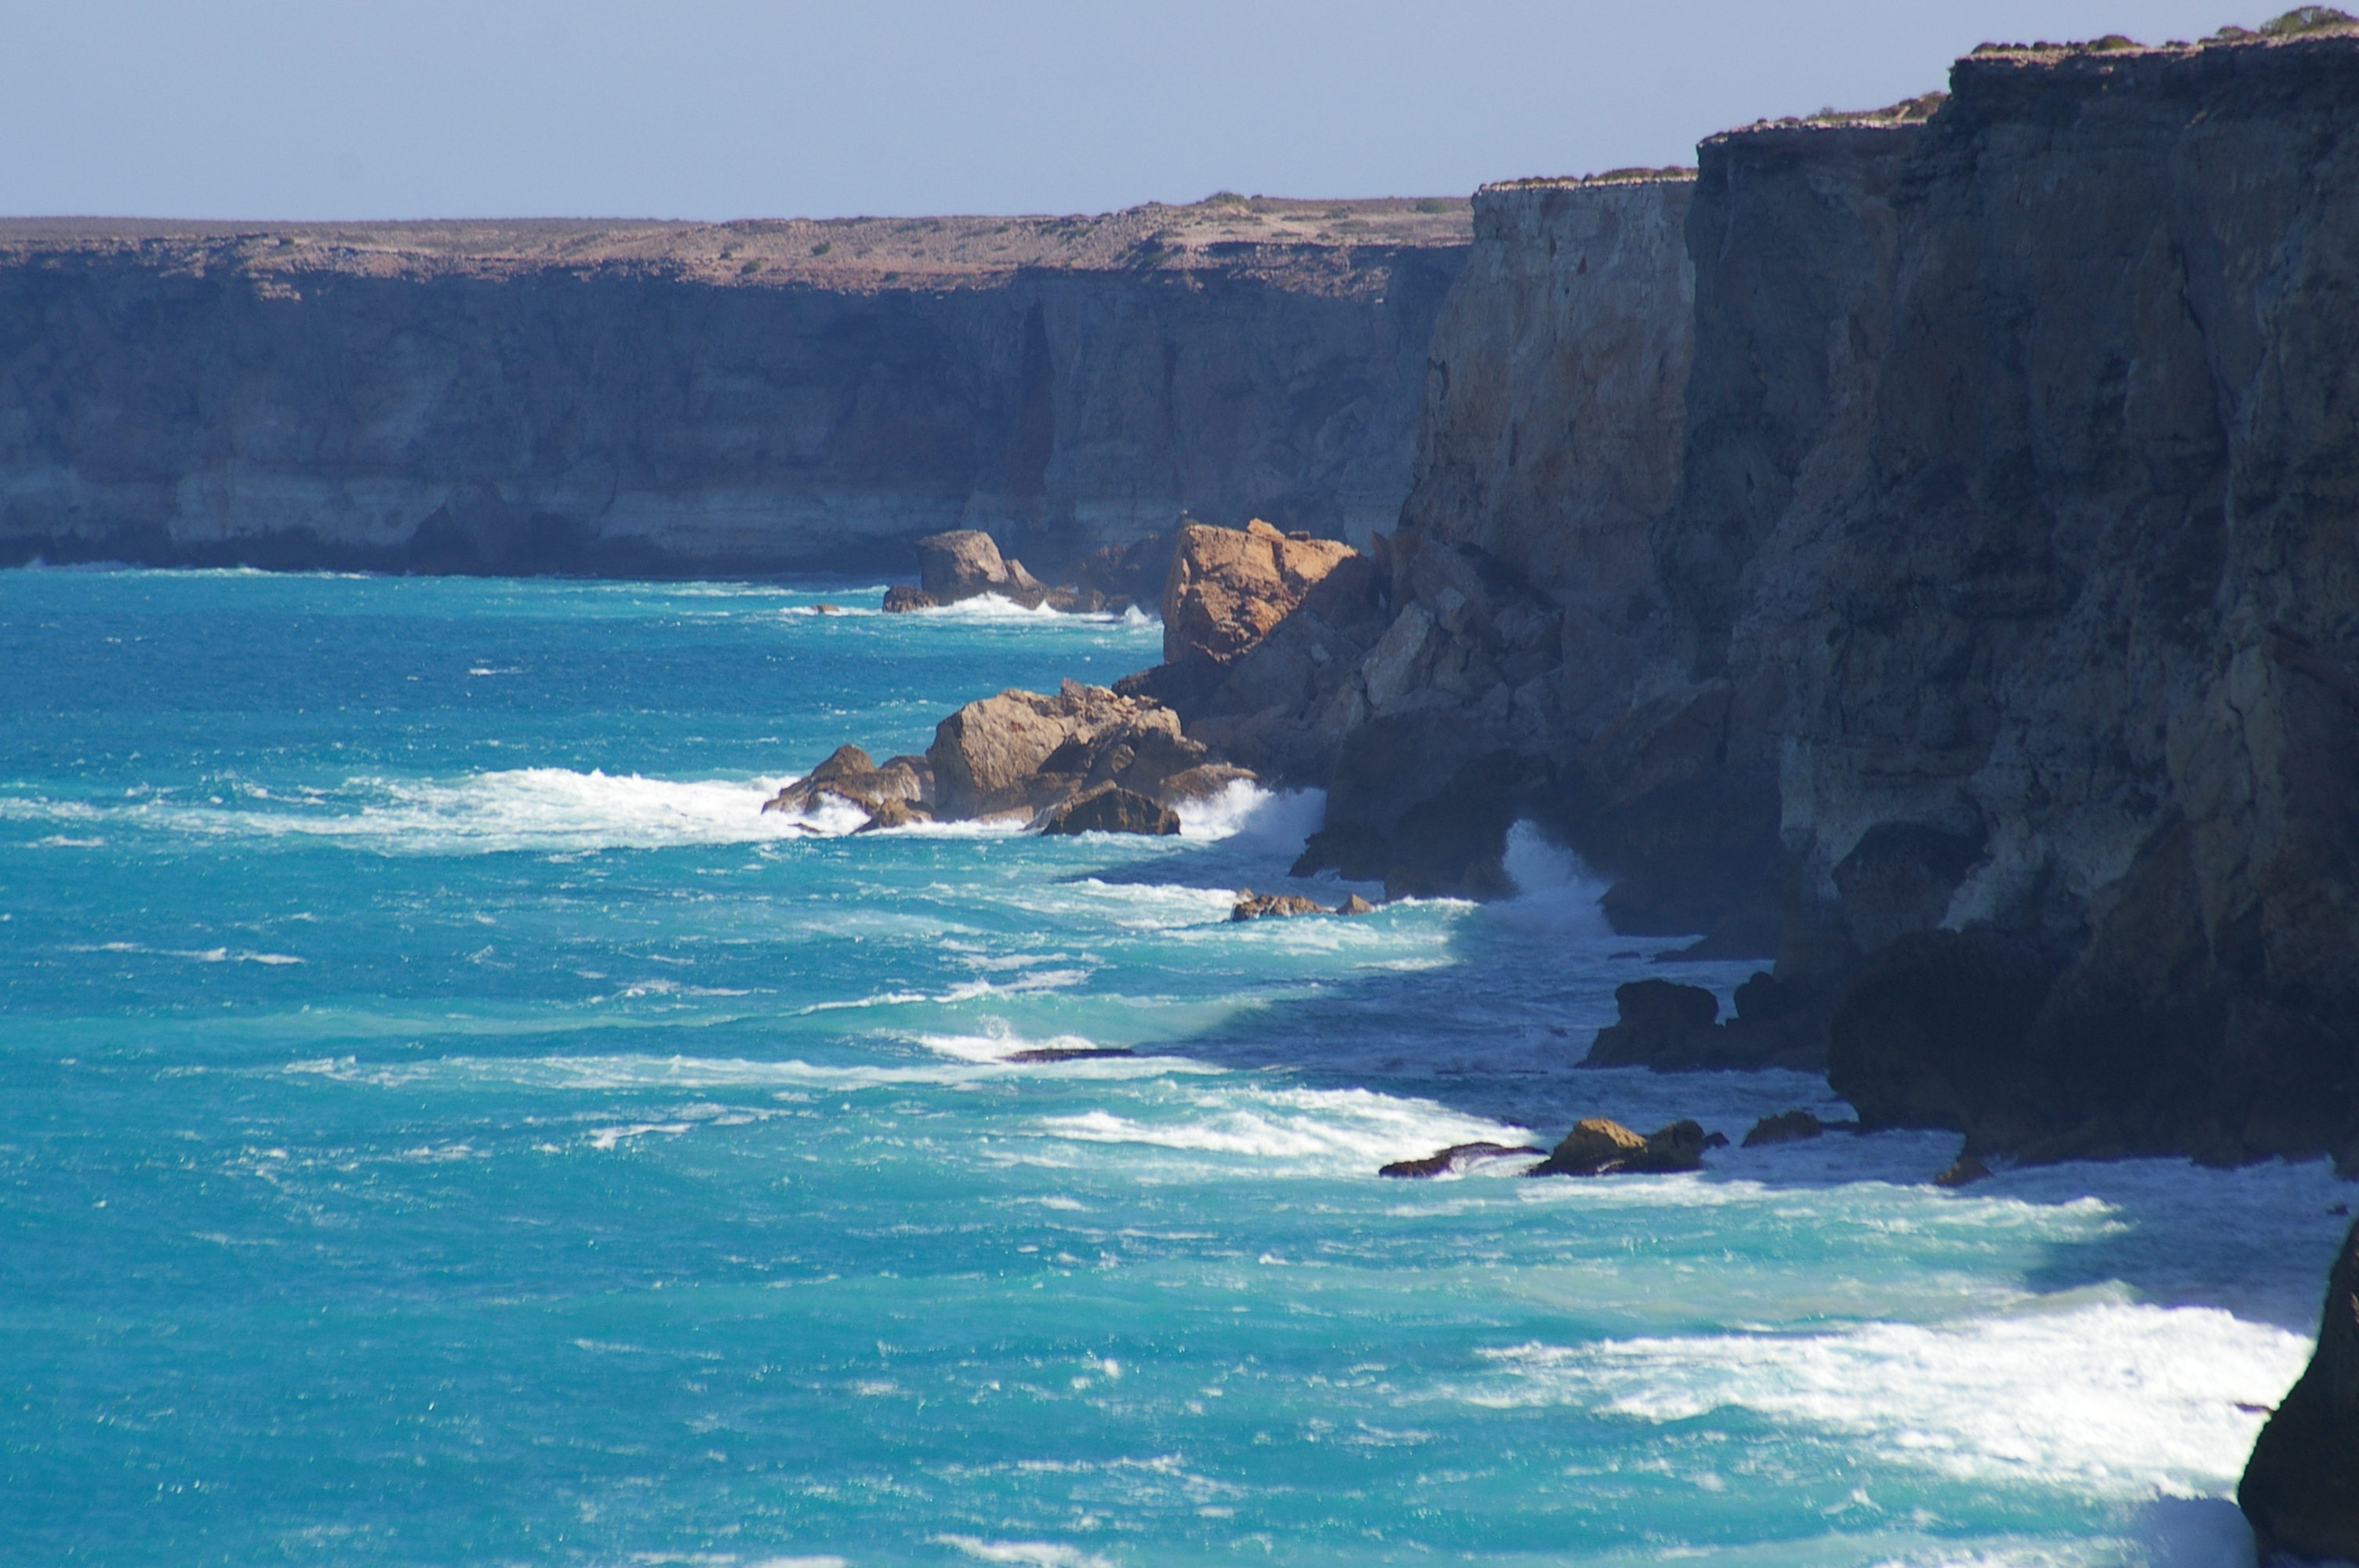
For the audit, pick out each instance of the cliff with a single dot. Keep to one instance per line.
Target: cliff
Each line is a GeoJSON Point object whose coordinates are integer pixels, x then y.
{"type": "Point", "coordinates": [643, 397]}
{"type": "Point", "coordinates": [1987, 641]}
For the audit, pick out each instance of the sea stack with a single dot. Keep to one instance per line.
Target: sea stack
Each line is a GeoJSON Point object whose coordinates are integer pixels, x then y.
{"type": "Point", "coordinates": [2302, 1486]}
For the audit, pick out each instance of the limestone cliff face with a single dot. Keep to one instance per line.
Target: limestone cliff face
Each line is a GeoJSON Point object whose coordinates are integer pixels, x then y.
{"type": "Point", "coordinates": [1521, 576]}
{"type": "Point", "coordinates": [1555, 406]}
{"type": "Point", "coordinates": [2001, 639]}
{"type": "Point", "coordinates": [623, 401]}
{"type": "Point", "coordinates": [2091, 620]}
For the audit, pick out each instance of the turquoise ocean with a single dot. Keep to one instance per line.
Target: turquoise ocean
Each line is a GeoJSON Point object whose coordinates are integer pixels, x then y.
{"type": "Point", "coordinates": [442, 1121]}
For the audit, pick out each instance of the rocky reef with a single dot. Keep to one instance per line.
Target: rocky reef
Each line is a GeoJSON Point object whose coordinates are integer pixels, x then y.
{"type": "Point", "coordinates": [1917, 550]}
{"type": "Point", "coordinates": [676, 398]}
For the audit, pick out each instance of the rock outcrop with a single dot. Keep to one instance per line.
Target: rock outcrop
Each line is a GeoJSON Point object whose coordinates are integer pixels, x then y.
{"type": "Point", "coordinates": [1229, 587]}
{"type": "Point", "coordinates": [1598, 1146]}
{"type": "Point", "coordinates": [1452, 1160]}
{"type": "Point", "coordinates": [1252, 906]}
{"type": "Point", "coordinates": [1022, 753]}
{"type": "Point", "coordinates": [2301, 1489]}
{"type": "Point", "coordinates": [671, 398]}
{"type": "Point", "coordinates": [966, 564]}
{"type": "Point", "coordinates": [892, 795]}
{"type": "Point", "coordinates": [1109, 809]}
{"type": "Point", "coordinates": [1081, 760]}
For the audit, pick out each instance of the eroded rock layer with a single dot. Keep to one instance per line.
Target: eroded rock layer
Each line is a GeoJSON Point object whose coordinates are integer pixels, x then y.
{"type": "Point", "coordinates": [682, 397]}
{"type": "Point", "coordinates": [1972, 623]}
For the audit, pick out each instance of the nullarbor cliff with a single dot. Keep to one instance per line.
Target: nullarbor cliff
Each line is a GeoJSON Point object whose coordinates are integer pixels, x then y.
{"type": "Point", "coordinates": [1920, 550]}
{"type": "Point", "coordinates": [676, 398]}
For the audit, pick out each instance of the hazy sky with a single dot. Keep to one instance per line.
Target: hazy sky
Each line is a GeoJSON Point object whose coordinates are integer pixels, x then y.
{"type": "Point", "coordinates": [264, 109]}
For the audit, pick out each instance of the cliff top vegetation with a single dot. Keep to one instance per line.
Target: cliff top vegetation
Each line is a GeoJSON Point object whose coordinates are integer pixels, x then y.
{"type": "Point", "coordinates": [1634, 176]}
{"type": "Point", "coordinates": [2303, 21]}
{"type": "Point", "coordinates": [1305, 243]}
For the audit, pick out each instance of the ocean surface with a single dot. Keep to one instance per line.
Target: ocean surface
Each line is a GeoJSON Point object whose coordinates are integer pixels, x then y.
{"type": "Point", "coordinates": [442, 1121]}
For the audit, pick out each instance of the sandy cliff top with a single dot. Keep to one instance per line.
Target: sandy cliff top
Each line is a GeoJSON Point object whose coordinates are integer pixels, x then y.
{"type": "Point", "coordinates": [1304, 243]}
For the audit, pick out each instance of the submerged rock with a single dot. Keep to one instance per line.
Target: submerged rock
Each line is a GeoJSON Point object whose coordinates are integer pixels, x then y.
{"type": "Point", "coordinates": [1067, 1053]}
{"type": "Point", "coordinates": [1252, 906]}
{"type": "Point", "coordinates": [1789, 1128]}
{"type": "Point", "coordinates": [2301, 1489]}
{"type": "Point", "coordinates": [1109, 809]}
{"type": "Point", "coordinates": [1457, 1157]}
{"type": "Point", "coordinates": [1964, 1171]}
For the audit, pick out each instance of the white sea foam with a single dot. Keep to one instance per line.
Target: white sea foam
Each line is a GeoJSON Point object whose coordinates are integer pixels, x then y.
{"type": "Point", "coordinates": [700, 1074]}
{"type": "Point", "coordinates": [2118, 1399]}
{"type": "Point", "coordinates": [1028, 1553]}
{"type": "Point", "coordinates": [1554, 890]}
{"type": "Point", "coordinates": [194, 954]}
{"type": "Point", "coordinates": [1245, 812]}
{"type": "Point", "coordinates": [545, 809]}
{"type": "Point", "coordinates": [1340, 1132]}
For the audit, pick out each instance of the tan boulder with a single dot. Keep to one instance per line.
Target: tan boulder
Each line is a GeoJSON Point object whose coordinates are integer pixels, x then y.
{"type": "Point", "coordinates": [1109, 809]}
{"type": "Point", "coordinates": [1026, 751]}
{"type": "Point", "coordinates": [903, 783]}
{"type": "Point", "coordinates": [1595, 1145]}
{"type": "Point", "coordinates": [1252, 906]}
{"type": "Point", "coordinates": [1599, 1147]}
{"type": "Point", "coordinates": [1228, 587]}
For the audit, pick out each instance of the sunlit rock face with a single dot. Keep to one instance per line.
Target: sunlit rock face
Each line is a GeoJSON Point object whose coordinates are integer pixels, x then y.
{"type": "Point", "coordinates": [676, 398]}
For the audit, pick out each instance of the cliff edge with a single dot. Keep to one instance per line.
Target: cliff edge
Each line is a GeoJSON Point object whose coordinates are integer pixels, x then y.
{"type": "Point", "coordinates": [1976, 614]}
{"type": "Point", "coordinates": [680, 398]}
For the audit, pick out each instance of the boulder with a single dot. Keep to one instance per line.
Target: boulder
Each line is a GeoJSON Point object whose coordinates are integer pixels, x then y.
{"type": "Point", "coordinates": [2301, 1489]}
{"type": "Point", "coordinates": [901, 597]}
{"type": "Point", "coordinates": [1026, 751]}
{"type": "Point", "coordinates": [965, 564]}
{"type": "Point", "coordinates": [1356, 905]}
{"type": "Point", "coordinates": [1595, 1146]}
{"type": "Point", "coordinates": [1228, 587]}
{"type": "Point", "coordinates": [892, 814]}
{"type": "Point", "coordinates": [1662, 1026]}
{"type": "Point", "coordinates": [1790, 1128]}
{"type": "Point", "coordinates": [903, 783]}
{"type": "Point", "coordinates": [1678, 1147]}
{"type": "Point", "coordinates": [1598, 1146]}
{"type": "Point", "coordinates": [1455, 1158]}
{"type": "Point", "coordinates": [1109, 809]}
{"type": "Point", "coordinates": [1252, 906]}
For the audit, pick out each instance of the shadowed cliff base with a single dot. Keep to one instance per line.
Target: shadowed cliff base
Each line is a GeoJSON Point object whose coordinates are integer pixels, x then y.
{"type": "Point", "coordinates": [685, 399]}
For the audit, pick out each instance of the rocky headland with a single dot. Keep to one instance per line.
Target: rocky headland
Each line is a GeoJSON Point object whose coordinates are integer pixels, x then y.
{"type": "Point", "coordinates": [1915, 550]}
{"type": "Point", "coordinates": [675, 398]}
